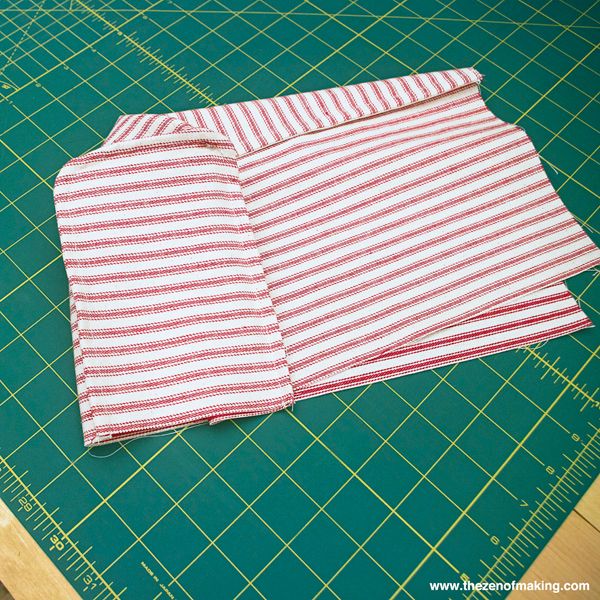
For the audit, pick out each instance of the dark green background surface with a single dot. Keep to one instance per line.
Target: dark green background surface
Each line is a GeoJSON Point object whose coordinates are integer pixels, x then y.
{"type": "Point", "coordinates": [464, 471]}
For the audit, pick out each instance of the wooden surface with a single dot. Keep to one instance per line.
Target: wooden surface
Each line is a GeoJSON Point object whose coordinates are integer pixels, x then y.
{"type": "Point", "coordinates": [24, 568]}
{"type": "Point", "coordinates": [572, 555]}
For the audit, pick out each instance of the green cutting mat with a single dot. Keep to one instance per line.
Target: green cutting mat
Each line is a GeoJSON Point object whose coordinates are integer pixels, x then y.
{"type": "Point", "coordinates": [462, 472]}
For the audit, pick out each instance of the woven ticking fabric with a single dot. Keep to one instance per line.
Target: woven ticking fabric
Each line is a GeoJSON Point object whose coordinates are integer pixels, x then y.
{"type": "Point", "coordinates": [227, 261]}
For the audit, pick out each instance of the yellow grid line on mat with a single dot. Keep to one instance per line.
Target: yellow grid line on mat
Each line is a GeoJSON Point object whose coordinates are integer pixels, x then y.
{"type": "Point", "coordinates": [501, 467]}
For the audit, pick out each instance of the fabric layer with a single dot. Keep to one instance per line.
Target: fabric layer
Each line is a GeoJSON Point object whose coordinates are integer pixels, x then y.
{"type": "Point", "coordinates": [227, 261]}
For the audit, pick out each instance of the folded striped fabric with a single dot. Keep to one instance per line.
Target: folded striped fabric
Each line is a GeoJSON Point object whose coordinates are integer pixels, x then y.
{"type": "Point", "coordinates": [227, 261]}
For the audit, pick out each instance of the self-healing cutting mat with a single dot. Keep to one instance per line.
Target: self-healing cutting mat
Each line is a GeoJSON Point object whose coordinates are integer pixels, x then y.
{"type": "Point", "coordinates": [462, 473]}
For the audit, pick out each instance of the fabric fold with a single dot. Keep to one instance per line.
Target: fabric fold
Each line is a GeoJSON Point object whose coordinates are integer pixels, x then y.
{"type": "Point", "coordinates": [172, 321]}
{"type": "Point", "coordinates": [229, 260]}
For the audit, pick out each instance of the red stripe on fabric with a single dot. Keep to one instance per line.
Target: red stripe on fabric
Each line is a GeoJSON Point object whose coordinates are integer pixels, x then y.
{"type": "Point", "coordinates": [180, 359]}
{"type": "Point", "coordinates": [182, 340]}
{"type": "Point", "coordinates": [185, 286]}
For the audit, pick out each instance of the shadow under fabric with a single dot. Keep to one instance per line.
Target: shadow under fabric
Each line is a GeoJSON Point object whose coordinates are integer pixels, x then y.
{"type": "Point", "coordinates": [228, 261]}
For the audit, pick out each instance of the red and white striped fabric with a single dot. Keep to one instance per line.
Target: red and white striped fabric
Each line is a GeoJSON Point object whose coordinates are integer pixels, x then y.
{"type": "Point", "coordinates": [227, 261]}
